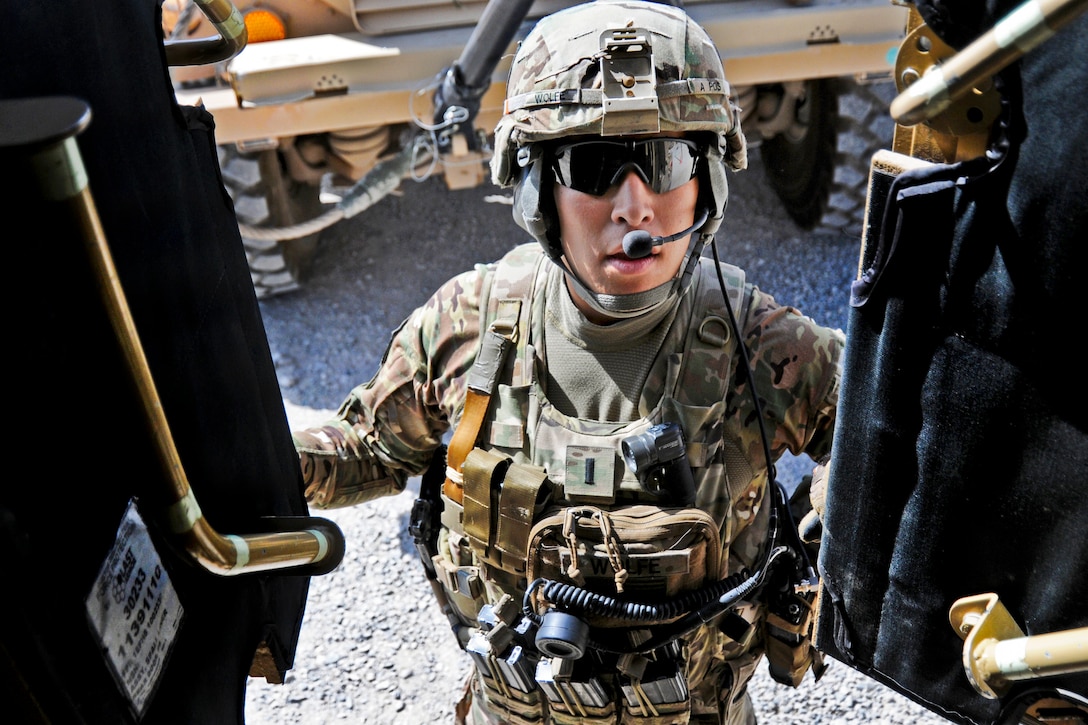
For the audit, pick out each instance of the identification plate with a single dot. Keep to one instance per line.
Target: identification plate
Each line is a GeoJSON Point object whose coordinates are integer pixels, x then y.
{"type": "Point", "coordinates": [135, 612]}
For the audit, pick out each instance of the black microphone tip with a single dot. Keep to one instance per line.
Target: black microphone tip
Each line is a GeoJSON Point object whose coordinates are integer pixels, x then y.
{"type": "Point", "coordinates": [637, 244]}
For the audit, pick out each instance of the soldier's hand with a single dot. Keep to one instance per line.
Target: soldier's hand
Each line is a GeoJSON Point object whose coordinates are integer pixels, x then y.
{"type": "Point", "coordinates": [308, 464]}
{"type": "Point", "coordinates": [811, 527]}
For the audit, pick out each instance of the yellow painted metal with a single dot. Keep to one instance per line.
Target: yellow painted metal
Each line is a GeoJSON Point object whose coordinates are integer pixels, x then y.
{"type": "Point", "coordinates": [996, 652]}
{"type": "Point", "coordinates": [955, 78]}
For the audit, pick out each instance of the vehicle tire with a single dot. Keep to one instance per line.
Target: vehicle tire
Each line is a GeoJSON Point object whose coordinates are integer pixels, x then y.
{"type": "Point", "coordinates": [820, 167]}
{"type": "Point", "coordinates": [799, 162]}
{"type": "Point", "coordinates": [265, 196]}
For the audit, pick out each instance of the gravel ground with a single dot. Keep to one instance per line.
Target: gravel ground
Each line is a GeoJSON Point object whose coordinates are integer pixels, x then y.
{"type": "Point", "coordinates": [374, 647]}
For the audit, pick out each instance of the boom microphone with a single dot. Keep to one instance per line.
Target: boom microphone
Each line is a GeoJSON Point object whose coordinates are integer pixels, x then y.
{"type": "Point", "coordinates": [639, 243]}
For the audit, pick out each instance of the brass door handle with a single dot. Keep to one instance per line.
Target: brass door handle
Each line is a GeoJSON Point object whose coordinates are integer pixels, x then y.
{"type": "Point", "coordinates": [42, 133]}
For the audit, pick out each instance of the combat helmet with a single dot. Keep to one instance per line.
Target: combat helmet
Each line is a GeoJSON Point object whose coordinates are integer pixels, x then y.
{"type": "Point", "coordinates": [607, 68]}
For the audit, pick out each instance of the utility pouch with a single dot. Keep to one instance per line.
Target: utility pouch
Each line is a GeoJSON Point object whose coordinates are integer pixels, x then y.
{"type": "Point", "coordinates": [645, 552]}
{"type": "Point", "coordinates": [788, 641]}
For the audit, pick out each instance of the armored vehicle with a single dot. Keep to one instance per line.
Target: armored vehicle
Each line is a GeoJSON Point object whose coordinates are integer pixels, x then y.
{"type": "Point", "coordinates": [333, 103]}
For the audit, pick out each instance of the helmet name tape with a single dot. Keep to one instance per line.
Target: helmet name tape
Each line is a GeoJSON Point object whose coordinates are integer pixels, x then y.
{"type": "Point", "coordinates": [544, 98]}
{"type": "Point", "coordinates": [706, 85]}
{"type": "Point", "coordinates": [593, 97]}
{"type": "Point", "coordinates": [629, 83]}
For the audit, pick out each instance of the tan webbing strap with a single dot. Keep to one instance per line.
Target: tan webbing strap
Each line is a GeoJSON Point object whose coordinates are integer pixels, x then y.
{"type": "Point", "coordinates": [464, 438]}
{"type": "Point", "coordinates": [497, 342]}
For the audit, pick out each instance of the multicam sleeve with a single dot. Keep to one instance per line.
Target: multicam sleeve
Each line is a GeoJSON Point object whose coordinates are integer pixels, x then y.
{"type": "Point", "coordinates": [388, 428]}
{"type": "Point", "coordinates": [797, 365]}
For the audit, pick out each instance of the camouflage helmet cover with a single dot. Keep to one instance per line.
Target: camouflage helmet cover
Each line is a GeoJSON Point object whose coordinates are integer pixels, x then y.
{"type": "Point", "coordinates": [570, 76]}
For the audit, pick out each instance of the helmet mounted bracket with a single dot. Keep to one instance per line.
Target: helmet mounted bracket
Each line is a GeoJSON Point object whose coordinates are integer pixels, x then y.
{"type": "Point", "coordinates": [629, 92]}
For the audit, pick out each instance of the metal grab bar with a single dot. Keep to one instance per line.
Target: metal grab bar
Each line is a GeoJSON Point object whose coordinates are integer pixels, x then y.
{"type": "Point", "coordinates": [1014, 35]}
{"type": "Point", "coordinates": [231, 40]}
{"type": "Point", "coordinates": [42, 131]}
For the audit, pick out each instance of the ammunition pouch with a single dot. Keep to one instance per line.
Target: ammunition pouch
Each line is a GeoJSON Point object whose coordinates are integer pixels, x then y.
{"type": "Point", "coordinates": [571, 693]}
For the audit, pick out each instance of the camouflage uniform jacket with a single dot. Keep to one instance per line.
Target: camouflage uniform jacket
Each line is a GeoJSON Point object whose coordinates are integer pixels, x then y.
{"type": "Point", "coordinates": [388, 428]}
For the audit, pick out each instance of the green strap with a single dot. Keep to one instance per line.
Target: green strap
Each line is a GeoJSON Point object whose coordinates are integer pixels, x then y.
{"type": "Point", "coordinates": [517, 504]}
{"type": "Point", "coordinates": [483, 474]}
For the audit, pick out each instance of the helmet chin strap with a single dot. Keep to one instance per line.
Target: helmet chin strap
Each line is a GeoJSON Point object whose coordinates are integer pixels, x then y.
{"type": "Point", "coordinates": [621, 307]}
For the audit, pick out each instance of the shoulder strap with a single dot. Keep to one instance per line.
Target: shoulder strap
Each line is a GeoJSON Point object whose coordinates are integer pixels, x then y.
{"type": "Point", "coordinates": [709, 347]}
{"type": "Point", "coordinates": [504, 321]}
{"type": "Point", "coordinates": [710, 332]}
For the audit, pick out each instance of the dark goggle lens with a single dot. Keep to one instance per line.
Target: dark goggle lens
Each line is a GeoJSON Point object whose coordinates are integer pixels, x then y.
{"type": "Point", "coordinates": [593, 166]}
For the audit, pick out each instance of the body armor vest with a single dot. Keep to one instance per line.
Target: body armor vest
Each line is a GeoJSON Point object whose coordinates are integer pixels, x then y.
{"type": "Point", "coordinates": [543, 496]}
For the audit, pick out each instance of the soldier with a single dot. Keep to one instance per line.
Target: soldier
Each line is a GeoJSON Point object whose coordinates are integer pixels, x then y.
{"type": "Point", "coordinates": [603, 536]}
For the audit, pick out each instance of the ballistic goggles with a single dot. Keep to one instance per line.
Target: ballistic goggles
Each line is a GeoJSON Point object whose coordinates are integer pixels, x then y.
{"type": "Point", "coordinates": [594, 166]}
